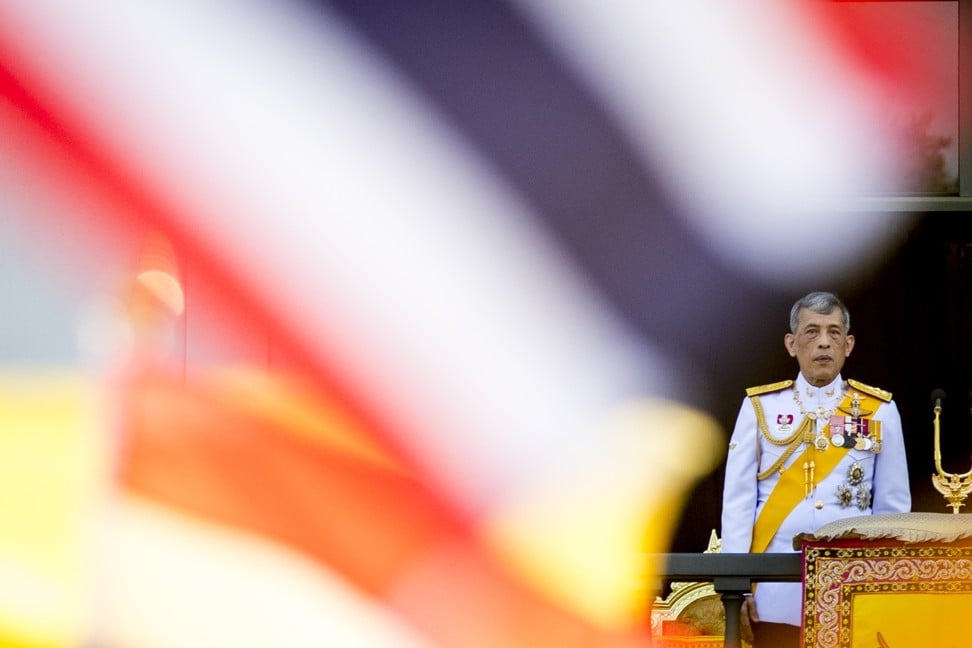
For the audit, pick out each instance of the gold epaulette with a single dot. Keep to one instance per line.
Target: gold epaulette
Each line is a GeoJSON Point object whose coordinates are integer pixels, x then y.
{"type": "Point", "coordinates": [870, 391]}
{"type": "Point", "coordinates": [765, 389]}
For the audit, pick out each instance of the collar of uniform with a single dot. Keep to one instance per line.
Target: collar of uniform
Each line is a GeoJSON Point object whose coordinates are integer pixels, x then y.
{"type": "Point", "coordinates": [809, 393]}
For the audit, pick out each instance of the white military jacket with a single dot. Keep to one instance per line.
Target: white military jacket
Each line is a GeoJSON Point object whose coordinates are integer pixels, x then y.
{"type": "Point", "coordinates": [871, 477]}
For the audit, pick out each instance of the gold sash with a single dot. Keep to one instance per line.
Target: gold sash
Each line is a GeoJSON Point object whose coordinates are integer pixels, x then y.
{"type": "Point", "coordinates": [792, 485]}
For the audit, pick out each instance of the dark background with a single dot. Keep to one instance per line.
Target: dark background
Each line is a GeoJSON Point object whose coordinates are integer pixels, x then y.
{"type": "Point", "coordinates": [912, 319]}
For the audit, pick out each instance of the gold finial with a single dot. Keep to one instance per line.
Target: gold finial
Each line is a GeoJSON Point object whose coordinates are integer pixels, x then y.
{"type": "Point", "coordinates": [954, 487]}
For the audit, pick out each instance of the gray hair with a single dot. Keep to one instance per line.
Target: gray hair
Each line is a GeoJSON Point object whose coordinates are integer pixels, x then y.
{"type": "Point", "coordinates": [819, 302]}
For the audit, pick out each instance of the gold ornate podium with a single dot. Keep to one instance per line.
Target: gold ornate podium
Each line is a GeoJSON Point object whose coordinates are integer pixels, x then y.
{"type": "Point", "coordinates": [889, 581]}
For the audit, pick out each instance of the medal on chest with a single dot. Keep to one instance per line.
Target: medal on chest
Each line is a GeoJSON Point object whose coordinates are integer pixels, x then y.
{"type": "Point", "coordinates": [855, 432]}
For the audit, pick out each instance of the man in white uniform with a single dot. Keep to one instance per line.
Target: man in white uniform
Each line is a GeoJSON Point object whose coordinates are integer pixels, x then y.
{"type": "Point", "coordinates": [807, 452]}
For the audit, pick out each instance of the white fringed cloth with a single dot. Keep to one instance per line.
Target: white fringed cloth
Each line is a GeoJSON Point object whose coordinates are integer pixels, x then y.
{"type": "Point", "coordinates": [906, 527]}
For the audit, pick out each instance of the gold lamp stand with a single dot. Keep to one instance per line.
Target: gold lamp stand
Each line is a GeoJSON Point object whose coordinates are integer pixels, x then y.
{"type": "Point", "coordinates": [954, 487]}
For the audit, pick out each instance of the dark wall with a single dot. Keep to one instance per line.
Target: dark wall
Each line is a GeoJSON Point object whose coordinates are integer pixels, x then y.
{"type": "Point", "coordinates": [917, 319]}
{"type": "Point", "coordinates": [912, 319]}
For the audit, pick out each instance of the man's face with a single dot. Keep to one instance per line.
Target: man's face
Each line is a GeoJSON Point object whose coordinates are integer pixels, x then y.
{"type": "Point", "coordinates": [820, 345]}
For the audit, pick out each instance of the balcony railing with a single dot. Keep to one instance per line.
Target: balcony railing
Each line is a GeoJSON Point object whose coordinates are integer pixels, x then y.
{"type": "Point", "coordinates": [732, 576]}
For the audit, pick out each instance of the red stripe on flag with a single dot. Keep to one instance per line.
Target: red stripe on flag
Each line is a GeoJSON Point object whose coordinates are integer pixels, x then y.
{"type": "Point", "coordinates": [195, 447]}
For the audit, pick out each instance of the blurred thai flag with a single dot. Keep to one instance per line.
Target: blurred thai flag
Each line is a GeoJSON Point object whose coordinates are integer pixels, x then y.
{"type": "Point", "coordinates": [393, 318]}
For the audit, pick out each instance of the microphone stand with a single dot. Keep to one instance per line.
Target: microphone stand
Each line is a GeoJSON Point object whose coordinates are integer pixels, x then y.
{"type": "Point", "coordinates": [954, 487]}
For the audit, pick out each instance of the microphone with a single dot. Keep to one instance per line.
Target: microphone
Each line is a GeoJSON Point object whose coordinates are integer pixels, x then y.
{"type": "Point", "coordinates": [937, 396]}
